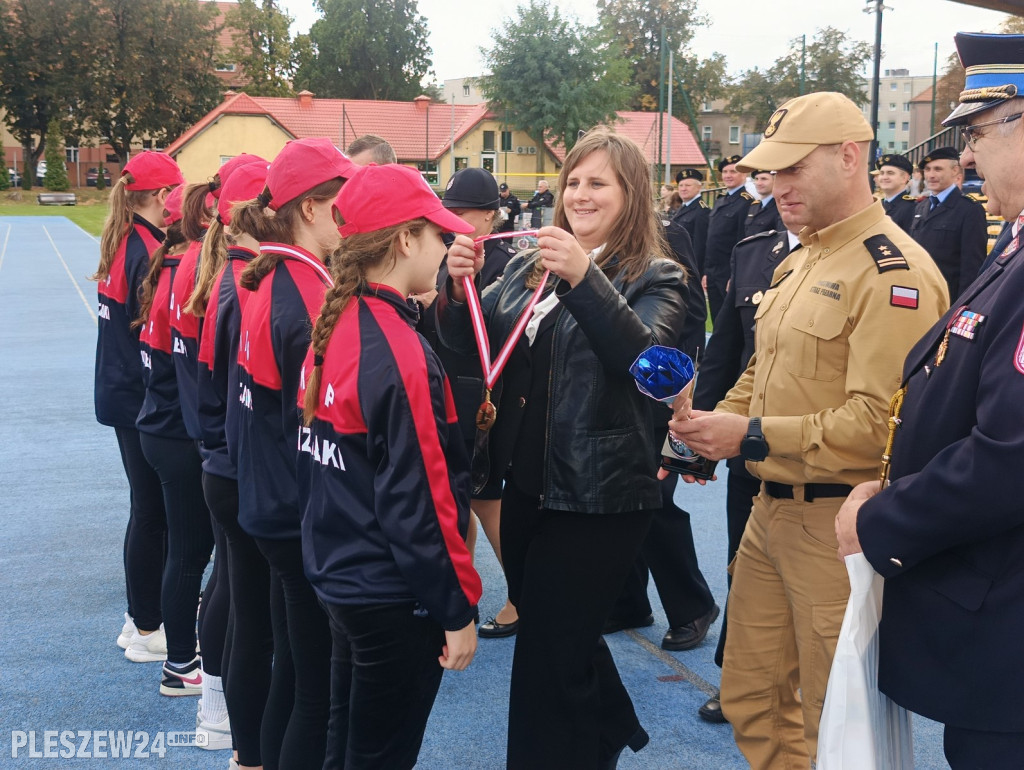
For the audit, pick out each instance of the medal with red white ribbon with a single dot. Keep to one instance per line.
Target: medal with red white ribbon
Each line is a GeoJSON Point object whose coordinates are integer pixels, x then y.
{"type": "Point", "coordinates": [487, 413]}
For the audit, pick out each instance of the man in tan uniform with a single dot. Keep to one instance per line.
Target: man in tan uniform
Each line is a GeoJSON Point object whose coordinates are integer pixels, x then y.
{"type": "Point", "coordinates": [809, 416]}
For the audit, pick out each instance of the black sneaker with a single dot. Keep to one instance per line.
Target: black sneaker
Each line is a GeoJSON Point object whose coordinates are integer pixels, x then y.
{"type": "Point", "coordinates": [182, 679]}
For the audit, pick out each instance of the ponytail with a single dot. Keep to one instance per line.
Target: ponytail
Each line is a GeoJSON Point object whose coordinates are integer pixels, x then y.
{"type": "Point", "coordinates": [278, 226]}
{"type": "Point", "coordinates": [211, 259]}
{"type": "Point", "coordinates": [118, 224]}
{"type": "Point", "coordinates": [195, 214]}
{"type": "Point", "coordinates": [147, 289]}
{"type": "Point", "coordinates": [349, 263]}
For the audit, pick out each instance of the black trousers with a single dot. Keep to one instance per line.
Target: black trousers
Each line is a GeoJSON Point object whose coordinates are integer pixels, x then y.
{"type": "Point", "coordinates": [145, 537]}
{"type": "Point", "coordinates": [741, 489]}
{"type": "Point", "coordinates": [670, 556]}
{"type": "Point", "coordinates": [982, 750]}
{"type": "Point", "coordinates": [384, 678]}
{"type": "Point", "coordinates": [309, 642]}
{"type": "Point", "coordinates": [716, 295]}
{"type": "Point", "coordinates": [189, 538]}
{"type": "Point", "coordinates": [215, 607]}
{"type": "Point", "coordinates": [247, 665]}
{"type": "Point", "coordinates": [567, 705]}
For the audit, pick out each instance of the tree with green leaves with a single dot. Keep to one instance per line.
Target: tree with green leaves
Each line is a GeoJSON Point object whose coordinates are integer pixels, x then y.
{"type": "Point", "coordinates": [5, 178]}
{"type": "Point", "coordinates": [360, 50]}
{"type": "Point", "coordinates": [56, 178]}
{"type": "Point", "coordinates": [637, 27]}
{"type": "Point", "coordinates": [553, 77]}
{"type": "Point", "coordinates": [262, 47]}
{"type": "Point", "coordinates": [153, 76]}
{"type": "Point", "coordinates": [834, 62]}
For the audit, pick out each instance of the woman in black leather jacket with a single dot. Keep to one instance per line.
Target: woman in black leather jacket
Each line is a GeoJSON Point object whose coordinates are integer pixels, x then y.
{"type": "Point", "coordinates": [572, 441]}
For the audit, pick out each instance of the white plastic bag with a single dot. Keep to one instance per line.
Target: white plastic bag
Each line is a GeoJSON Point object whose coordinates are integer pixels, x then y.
{"type": "Point", "coordinates": [860, 728]}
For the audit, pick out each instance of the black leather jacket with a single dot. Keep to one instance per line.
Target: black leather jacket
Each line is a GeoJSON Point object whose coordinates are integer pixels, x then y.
{"type": "Point", "coordinates": [598, 455]}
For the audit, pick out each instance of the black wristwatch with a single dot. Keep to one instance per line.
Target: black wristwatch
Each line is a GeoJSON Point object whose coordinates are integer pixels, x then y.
{"type": "Point", "coordinates": [753, 447]}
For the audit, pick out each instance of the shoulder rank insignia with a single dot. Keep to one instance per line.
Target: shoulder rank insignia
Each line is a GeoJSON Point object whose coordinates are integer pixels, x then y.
{"type": "Point", "coordinates": [778, 247]}
{"type": "Point", "coordinates": [745, 194]}
{"type": "Point", "coordinates": [887, 257]}
{"type": "Point", "coordinates": [702, 204]}
{"type": "Point", "coordinates": [757, 236]}
{"type": "Point", "coordinates": [909, 198]}
{"type": "Point", "coordinates": [977, 197]}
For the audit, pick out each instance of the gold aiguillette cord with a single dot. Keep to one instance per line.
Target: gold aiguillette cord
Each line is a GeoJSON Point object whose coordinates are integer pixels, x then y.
{"type": "Point", "coordinates": [895, 406]}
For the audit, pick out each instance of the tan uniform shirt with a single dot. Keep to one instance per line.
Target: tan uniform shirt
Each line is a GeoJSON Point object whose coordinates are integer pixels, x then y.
{"type": "Point", "coordinates": [831, 336]}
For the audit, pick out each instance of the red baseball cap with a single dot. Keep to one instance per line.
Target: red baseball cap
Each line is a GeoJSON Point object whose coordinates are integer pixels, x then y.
{"type": "Point", "coordinates": [303, 164]}
{"type": "Point", "coordinates": [229, 166]}
{"type": "Point", "coordinates": [173, 205]}
{"type": "Point", "coordinates": [381, 196]}
{"type": "Point", "coordinates": [244, 184]}
{"type": "Point", "coordinates": [152, 171]}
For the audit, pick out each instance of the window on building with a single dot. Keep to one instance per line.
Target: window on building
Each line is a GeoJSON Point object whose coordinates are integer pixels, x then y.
{"type": "Point", "coordinates": [461, 163]}
{"type": "Point", "coordinates": [893, 86]}
{"type": "Point", "coordinates": [906, 106]}
{"type": "Point", "coordinates": [892, 106]}
{"type": "Point", "coordinates": [225, 67]}
{"type": "Point", "coordinates": [706, 133]}
{"type": "Point", "coordinates": [488, 141]}
{"type": "Point", "coordinates": [892, 125]}
{"type": "Point", "coordinates": [906, 146]}
{"type": "Point", "coordinates": [465, 90]}
{"type": "Point", "coordinates": [892, 145]}
{"type": "Point", "coordinates": [734, 134]}
{"type": "Point", "coordinates": [487, 162]}
{"type": "Point", "coordinates": [506, 141]}
{"type": "Point", "coordinates": [905, 125]}
{"type": "Point", "coordinates": [429, 171]}
{"type": "Point", "coordinates": [706, 107]}
{"type": "Point", "coordinates": [71, 154]}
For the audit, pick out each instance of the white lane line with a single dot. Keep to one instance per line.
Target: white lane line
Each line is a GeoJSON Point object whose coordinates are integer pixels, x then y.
{"type": "Point", "coordinates": [88, 234]}
{"type": "Point", "coordinates": [3, 252]}
{"type": "Point", "coordinates": [78, 288]}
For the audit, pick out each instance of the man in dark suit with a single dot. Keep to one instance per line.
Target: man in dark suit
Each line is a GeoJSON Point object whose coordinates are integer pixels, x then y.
{"type": "Point", "coordinates": [764, 213]}
{"type": "Point", "coordinates": [729, 350]}
{"type": "Point", "coordinates": [510, 206]}
{"type": "Point", "coordinates": [892, 175]}
{"type": "Point", "coordinates": [693, 214]}
{"type": "Point", "coordinates": [947, 532]}
{"type": "Point", "coordinates": [951, 226]}
{"type": "Point", "coordinates": [725, 230]}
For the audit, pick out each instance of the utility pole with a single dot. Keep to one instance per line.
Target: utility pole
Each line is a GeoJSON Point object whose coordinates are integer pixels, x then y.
{"type": "Point", "coordinates": [668, 129]}
{"type": "Point", "coordinates": [876, 7]}
{"type": "Point", "coordinates": [661, 91]}
{"type": "Point", "coordinates": [803, 66]}
{"type": "Point", "coordinates": [935, 86]}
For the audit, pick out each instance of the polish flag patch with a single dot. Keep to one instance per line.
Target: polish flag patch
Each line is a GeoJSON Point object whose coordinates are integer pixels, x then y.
{"type": "Point", "coordinates": [903, 296]}
{"type": "Point", "coordinates": [1018, 356]}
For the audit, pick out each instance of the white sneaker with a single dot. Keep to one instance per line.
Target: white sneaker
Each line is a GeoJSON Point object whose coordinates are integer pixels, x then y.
{"type": "Point", "coordinates": [213, 736]}
{"type": "Point", "coordinates": [147, 648]}
{"type": "Point", "coordinates": [127, 630]}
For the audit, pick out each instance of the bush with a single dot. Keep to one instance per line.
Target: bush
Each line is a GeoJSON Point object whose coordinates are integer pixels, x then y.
{"type": "Point", "coordinates": [5, 178]}
{"type": "Point", "coordinates": [56, 178]}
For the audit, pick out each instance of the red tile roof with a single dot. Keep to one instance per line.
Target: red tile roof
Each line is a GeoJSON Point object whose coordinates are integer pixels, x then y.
{"type": "Point", "coordinates": [405, 124]}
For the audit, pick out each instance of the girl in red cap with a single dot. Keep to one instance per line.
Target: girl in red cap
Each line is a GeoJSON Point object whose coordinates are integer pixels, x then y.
{"type": "Point", "coordinates": [385, 477]}
{"type": "Point", "coordinates": [573, 441]}
{"type": "Point", "coordinates": [293, 220]}
{"type": "Point", "coordinates": [251, 643]}
{"type": "Point", "coordinates": [133, 231]}
{"type": "Point", "coordinates": [173, 455]}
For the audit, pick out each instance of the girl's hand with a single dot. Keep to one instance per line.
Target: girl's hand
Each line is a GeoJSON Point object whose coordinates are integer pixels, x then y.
{"type": "Point", "coordinates": [465, 258]}
{"type": "Point", "coordinates": [459, 648]}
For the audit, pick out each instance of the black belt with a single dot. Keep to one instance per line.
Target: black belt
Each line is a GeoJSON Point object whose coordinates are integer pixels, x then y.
{"type": "Point", "coordinates": [811, 491]}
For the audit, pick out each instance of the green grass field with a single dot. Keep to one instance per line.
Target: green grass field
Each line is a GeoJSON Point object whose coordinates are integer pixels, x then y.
{"type": "Point", "coordinates": [89, 213]}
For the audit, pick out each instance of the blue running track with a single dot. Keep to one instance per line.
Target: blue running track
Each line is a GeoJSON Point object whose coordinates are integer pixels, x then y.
{"type": "Point", "coordinates": [63, 509]}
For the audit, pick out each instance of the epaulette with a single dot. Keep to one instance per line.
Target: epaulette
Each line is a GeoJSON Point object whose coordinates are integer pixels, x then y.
{"type": "Point", "coordinates": [745, 194]}
{"type": "Point", "coordinates": [909, 198]}
{"type": "Point", "coordinates": [758, 236]}
{"type": "Point", "coordinates": [754, 201]}
{"type": "Point", "coordinates": [977, 197]}
{"type": "Point", "coordinates": [702, 204]}
{"type": "Point", "coordinates": [887, 257]}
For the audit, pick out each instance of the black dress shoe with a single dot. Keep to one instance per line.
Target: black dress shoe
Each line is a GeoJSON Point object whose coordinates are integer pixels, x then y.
{"type": "Point", "coordinates": [639, 739]}
{"type": "Point", "coordinates": [689, 636]}
{"type": "Point", "coordinates": [712, 711]}
{"type": "Point", "coordinates": [613, 624]}
{"type": "Point", "coordinates": [492, 629]}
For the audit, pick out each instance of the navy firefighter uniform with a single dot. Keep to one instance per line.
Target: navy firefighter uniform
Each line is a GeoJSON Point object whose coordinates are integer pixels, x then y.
{"type": "Point", "coordinates": [948, 533]}
{"type": "Point", "coordinates": [725, 229]}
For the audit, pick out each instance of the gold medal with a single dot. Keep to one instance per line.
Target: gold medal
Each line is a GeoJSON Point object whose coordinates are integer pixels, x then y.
{"type": "Point", "coordinates": [486, 414]}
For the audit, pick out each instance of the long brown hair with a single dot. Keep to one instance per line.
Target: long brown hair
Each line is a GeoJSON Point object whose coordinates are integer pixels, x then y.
{"type": "Point", "coordinates": [195, 214]}
{"type": "Point", "coordinates": [357, 253]}
{"type": "Point", "coordinates": [147, 289]}
{"type": "Point", "coordinates": [638, 236]}
{"type": "Point", "coordinates": [123, 204]}
{"type": "Point", "coordinates": [279, 226]}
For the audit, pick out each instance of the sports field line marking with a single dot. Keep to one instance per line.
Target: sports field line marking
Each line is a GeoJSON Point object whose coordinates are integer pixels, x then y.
{"type": "Point", "coordinates": [3, 252]}
{"type": "Point", "coordinates": [74, 283]}
{"type": "Point", "coordinates": [672, 662]}
{"type": "Point", "coordinates": [87, 233]}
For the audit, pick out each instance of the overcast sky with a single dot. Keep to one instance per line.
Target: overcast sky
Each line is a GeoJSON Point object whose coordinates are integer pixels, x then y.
{"type": "Point", "coordinates": [750, 33]}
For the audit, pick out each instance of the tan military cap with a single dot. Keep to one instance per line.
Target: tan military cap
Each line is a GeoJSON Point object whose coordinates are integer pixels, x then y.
{"type": "Point", "coordinates": [803, 124]}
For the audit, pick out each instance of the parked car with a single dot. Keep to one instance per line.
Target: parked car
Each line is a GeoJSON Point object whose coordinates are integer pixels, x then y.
{"type": "Point", "coordinates": [92, 174]}
{"type": "Point", "coordinates": [971, 183]}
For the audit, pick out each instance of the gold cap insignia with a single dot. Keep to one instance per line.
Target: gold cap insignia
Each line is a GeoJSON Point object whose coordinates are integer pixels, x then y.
{"type": "Point", "coordinates": [773, 123]}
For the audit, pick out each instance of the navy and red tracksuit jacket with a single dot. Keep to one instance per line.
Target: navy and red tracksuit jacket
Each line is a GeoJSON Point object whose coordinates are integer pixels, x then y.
{"type": "Point", "coordinates": [185, 329]}
{"type": "Point", "coordinates": [384, 471]}
{"type": "Point", "coordinates": [119, 387]}
{"type": "Point", "coordinates": [160, 414]}
{"type": "Point", "coordinates": [218, 377]}
{"type": "Point", "coordinates": [275, 333]}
